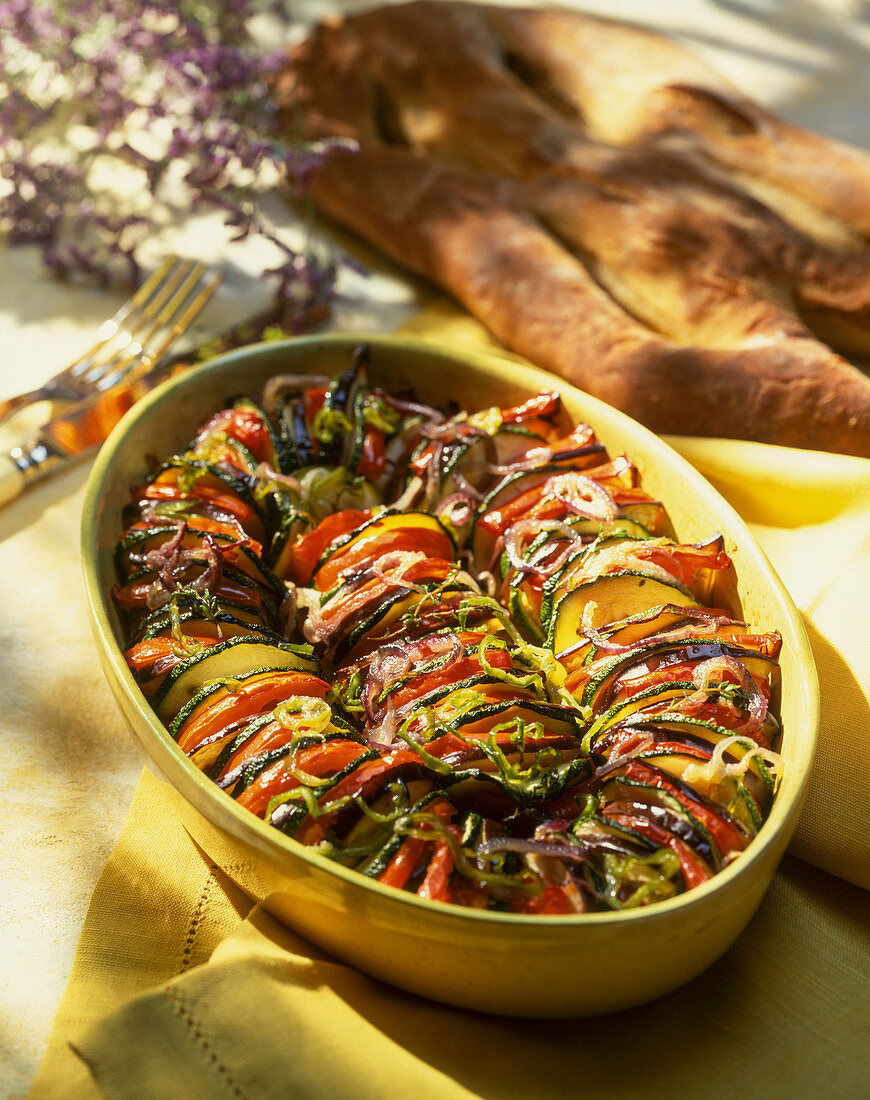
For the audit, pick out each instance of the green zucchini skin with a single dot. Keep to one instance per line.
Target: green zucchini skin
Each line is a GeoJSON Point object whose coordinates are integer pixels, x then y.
{"type": "Point", "coordinates": [577, 732]}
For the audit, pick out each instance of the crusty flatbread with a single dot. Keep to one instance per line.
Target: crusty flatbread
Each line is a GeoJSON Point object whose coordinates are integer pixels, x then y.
{"type": "Point", "coordinates": [609, 207]}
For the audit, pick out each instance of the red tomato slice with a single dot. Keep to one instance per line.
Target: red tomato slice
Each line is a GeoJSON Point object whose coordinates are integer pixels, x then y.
{"type": "Point", "coordinates": [144, 655]}
{"type": "Point", "coordinates": [370, 774]}
{"type": "Point", "coordinates": [436, 884]}
{"type": "Point", "coordinates": [545, 404]}
{"type": "Point", "coordinates": [309, 549]}
{"type": "Point", "coordinates": [727, 837]}
{"type": "Point", "coordinates": [405, 862]}
{"type": "Point", "coordinates": [247, 426]}
{"type": "Point", "coordinates": [314, 400]}
{"type": "Point", "coordinates": [694, 870]}
{"type": "Point", "coordinates": [364, 550]}
{"type": "Point", "coordinates": [348, 609]}
{"type": "Point", "coordinates": [373, 458]}
{"type": "Point", "coordinates": [254, 696]}
{"type": "Point", "coordinates": [425, 683]}
{"type": "Point", "coordinates": [551, 901]}
{"type": "Point", "coordinates": [319, 760]}
{"type": "Point", "coordinates": [225, 501]}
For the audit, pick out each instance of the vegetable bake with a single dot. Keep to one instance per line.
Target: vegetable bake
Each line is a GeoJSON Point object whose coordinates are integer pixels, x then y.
{"type": "Point", "coordinates": [462, 653]}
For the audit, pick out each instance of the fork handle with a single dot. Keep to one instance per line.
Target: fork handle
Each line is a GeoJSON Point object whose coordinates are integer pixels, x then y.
{"type": "Point", "coordinates": [10, 404]}
{"type": "Point", "coordinates": [12, 480]}
{"type": "Point", "coordinates": [23, 465]}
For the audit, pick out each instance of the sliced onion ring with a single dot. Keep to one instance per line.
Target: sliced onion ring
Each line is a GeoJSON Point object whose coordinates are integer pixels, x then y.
{"type": "Point", "coordinates": [583, 495]}
{"type": "Point", "coordinates": [518, 532]}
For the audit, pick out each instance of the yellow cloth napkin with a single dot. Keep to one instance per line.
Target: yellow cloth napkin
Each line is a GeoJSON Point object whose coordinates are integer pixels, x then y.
{"type": "Point", "coordinates": [785, 1011]}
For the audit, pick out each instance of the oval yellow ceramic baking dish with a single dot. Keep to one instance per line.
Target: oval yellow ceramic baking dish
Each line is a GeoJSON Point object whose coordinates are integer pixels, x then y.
{"type": "Point", "coordinates": [496, 962]}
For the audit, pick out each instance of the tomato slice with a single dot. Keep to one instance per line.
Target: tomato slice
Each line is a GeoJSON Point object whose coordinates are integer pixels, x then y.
{"type": "Point", "coordinates": [360, 783]}
{"type": "Point", "coordinates": [545, 404]}
{"type": "Point", "coordinates": [426, 683]}
{"type": "Point", "coordinates": [217, 498]}
{"type": "Point", "coordinates": [309, 549]}
{"type": "Point", "coordinates": [142, 656]}
{"type": "Point", "coordinates": [373, 459]}
{"type": "Point", "coordinates": [436, 883]}
{"type": "Point", "coordinates": [352, 602]}
{"type": "Point", "coordinates": [245, 425]}
{"type": "Point", "coordinates": [314, 400]}
{"type": "Point", "coordinates": [254, 696]}
{"type": "Point", "coordinates": [362, 551]}
{"type": "Point", "coordinates": [581, 436]}
{"type": "Point", "coordinates": [727, 837]}
{"type": "Point", "coordinates": [319, 760]}
{"type": "Point", "coordinates": [551, 901]}
{"type": "Point", "coordinates": [692, 866]}
{"type": "Point", "coordinates": [405, 862]}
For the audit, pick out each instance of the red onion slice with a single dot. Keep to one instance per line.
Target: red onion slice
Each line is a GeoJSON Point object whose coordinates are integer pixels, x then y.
{"type": "Point", "coordinates": [618, 761]}
{"type": "Point", "coordinates": [391, 568]}
{"type": "Point", "coordinates": [707, 622]}
{"type": "Point", "coordinates": [465, 486]}
{"type": "Point", "coordinates": [711, 671]}
{"type": "Point", "coordinates": [382, 734]}
{"type": "Point", "coordinates": [390, 663]}
{"type": "Point", "coordinates": [584, 496]}
{"type": "Point", "coordinates": [573, 852]}
{"type": "Point", "coordinates": [282, 384]}
{"type": "Point", "coordinates": [457, 509]}
{"type": "Point", "coordinates": [167, 552]}
{"type": "Point", "coordinates": [523, 529]}
{"type": "Point", "coordinates": [393, 661]}
{"type": "Point", "coordinates": [453, 431]}
{"type": "Point", "coordinates": [411, 408]}
{"type": "Point", "coordinates": [535, 456]}
{"type": "Point", "coordinates": [265, 472]}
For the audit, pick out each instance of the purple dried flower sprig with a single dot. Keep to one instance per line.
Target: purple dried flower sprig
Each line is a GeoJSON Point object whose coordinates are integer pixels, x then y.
{"type": "Point", "coordinates": [156, 86]}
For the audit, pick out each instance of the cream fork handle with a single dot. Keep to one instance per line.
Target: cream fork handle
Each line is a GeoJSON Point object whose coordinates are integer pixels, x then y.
{"type": "Point", "coordinates": [11, 480]}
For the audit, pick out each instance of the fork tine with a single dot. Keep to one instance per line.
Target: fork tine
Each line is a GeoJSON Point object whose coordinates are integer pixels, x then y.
{"type": "Point", "coordinates": [175, 318]}
{"type": "Point", "coordinates": [111, 327]}
{"type": "Point", "coordinates": [104, 354]}
{"type": "Point", "coordinates": [191, 312]}
{"type": "Point", "coordinates": [140, 332]}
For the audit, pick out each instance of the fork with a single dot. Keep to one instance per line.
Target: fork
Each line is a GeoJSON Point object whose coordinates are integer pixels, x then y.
{"type": "Point", "coordinates": [127, 359]}
{"type": "Point", "coordinates": [132, 341]}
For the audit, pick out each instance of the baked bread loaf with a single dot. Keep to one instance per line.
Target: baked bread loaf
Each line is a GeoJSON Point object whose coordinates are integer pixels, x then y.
{"type": "Point", "coordinates": [607, 206]}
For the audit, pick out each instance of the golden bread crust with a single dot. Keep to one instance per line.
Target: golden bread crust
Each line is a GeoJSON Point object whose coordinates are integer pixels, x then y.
{"type": "Point", "coordinates": [609, 207]}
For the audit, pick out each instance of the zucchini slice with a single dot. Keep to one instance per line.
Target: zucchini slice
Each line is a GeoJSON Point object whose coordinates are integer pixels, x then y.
{"type": "Point", "coordinates": [227, 661]}
{"type": "Point", "coordinates": [616, 596]}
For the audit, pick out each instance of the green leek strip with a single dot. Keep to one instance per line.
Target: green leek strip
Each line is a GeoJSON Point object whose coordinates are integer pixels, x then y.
{"type": "Point", "coordinates": [328, 422]}
{"type": "Point", "coordinates": [618, 868]}
{"type": "Point", "coordinates": [378, 414]}
{"type": "Point", "coordinates": [172, 509]}
{"type": "Point", "coordinates": [306, 793]}
{"type": "Point", "coordinates": [204, 606]}
{"type": "Point", "coordinates": [525, 784]}
{"type": "Point", "coordinates": [423, 825]}
{"type": "Point", "coordinates": [506, 675]}
{"type": "Point", "coordinates": [521, 730]}
{"type": "Point", "coordinates": [232, 684]}
{"type": "Point", "coordinates": [440, 766]}
{"type": "Point", "coordinates": [486, 603]}
{"type": "Point", "coordinates": [398, 794]}
{"type": "Point", "coordinates": [490, 420]}
{"type": "Point", "coordinates": [308, 711]}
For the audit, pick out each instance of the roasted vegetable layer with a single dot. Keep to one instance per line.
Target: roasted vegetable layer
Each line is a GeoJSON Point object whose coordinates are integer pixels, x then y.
{"type": "Point", "coordinates": [458, 652]}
